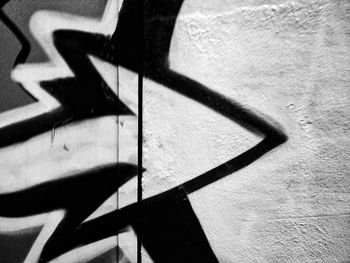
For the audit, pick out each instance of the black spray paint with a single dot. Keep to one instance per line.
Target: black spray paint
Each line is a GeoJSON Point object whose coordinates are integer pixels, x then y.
{"type": "Point", "coordinates": [167, 224]}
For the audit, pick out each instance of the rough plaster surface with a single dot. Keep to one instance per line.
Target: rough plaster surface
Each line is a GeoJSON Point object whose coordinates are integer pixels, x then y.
{"type": "Point", "coordinates": [290, 61]}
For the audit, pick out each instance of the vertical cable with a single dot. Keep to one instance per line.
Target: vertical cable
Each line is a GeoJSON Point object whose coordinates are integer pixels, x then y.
{"type": "Point", "coordinates": [117, 248]}
{"type": "Point", "coordinates": [140, 127]}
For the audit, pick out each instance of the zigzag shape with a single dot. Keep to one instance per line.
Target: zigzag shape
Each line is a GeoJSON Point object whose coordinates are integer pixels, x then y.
{"type": "Point", "coordinates": [54, 108]}
{"type": "Point", "coordinates": [58, 106]}
{"type": "Point", "coordinates": [159, 22]}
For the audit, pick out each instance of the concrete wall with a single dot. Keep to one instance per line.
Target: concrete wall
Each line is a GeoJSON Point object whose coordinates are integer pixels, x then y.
{"type": "Point", "coordinates": [290, 61]}
{"type": "Point", "coordinates": [286, 63]}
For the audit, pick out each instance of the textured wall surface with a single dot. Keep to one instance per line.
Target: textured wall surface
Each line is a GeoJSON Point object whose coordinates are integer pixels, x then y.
{"type": "Point", "coordinates": [288, 62]}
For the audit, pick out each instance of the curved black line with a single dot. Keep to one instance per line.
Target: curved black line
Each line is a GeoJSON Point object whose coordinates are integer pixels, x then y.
{"type": "Point", "coordinates": [79, 195]}
{"type": "Point", "coordinates": [25, 49]}
{"type": "Point", "coordinates": [157, 69]}
{"type": "Point", "coordinates": [122, 49]}
{"type": "Point", "coordinates": [196, 91]}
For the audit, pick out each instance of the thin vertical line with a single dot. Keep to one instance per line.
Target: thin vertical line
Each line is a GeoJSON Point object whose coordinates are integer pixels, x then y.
{"type": "Point", "coordinates": [140, 128]}
{"type": "Point", "coordinates": [117, 249]}
{"type": "Point", "coordinates": [117, 193]}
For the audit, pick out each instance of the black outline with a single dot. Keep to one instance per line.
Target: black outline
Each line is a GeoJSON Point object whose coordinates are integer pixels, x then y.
{"type": "Point", "coordinates": [158, 24]}
{"type": "Point", "coordinates": [25, 50]}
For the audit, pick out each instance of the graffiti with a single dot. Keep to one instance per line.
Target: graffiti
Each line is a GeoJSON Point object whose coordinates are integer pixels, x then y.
{"type": "Point", "coordinates": [73, 88]}
{"type": "Point", "coordinates": [23, 54]}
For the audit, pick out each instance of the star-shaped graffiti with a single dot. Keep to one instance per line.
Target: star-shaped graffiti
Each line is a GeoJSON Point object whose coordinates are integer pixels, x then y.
{"type": "Point", "coordinates": [73, 88]}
